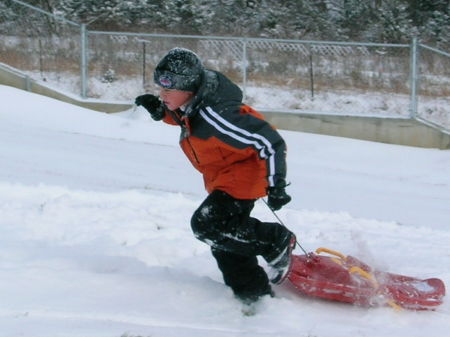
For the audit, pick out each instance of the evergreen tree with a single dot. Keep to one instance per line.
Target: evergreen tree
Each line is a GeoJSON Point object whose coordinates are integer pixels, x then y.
{"type": "Point", "coordinates": [431, 19]}
{"type": "Point", "coordinates": [350, 17]}
{"type": "Point", "coordinates": [392, 23]}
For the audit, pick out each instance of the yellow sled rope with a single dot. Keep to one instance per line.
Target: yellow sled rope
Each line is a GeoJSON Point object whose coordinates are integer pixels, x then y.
{"type": "Point", "coordinates": [341, 259]}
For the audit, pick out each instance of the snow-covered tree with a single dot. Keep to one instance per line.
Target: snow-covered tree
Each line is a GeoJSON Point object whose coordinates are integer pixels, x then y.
{"type": "Point", "coordinates": [371, 20]}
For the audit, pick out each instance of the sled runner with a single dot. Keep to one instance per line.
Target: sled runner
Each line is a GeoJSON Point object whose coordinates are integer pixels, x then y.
{"type": "Point", "coordinates": [347, 279]}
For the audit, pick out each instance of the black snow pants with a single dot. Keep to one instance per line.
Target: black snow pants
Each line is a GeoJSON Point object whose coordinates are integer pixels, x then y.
{"type": "Point", "coordinates": [236, 239]}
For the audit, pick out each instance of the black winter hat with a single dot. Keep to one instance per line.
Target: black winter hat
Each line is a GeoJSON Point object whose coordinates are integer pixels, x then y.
{"type": "Point", "coordinates": [180, 69]}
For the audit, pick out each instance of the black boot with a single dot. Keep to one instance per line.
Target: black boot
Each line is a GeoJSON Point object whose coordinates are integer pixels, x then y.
{"type": "Point", "coordinates": [243, 275]}
{"type": "Point", "coordinates": [280, 266]}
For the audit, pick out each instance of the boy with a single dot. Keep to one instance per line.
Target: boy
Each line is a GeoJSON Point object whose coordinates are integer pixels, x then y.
{"type": "Point", "coordinates": [241, 157]}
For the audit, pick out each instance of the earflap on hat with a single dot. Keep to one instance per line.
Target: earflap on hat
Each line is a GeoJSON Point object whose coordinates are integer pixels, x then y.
{"type": "Point", "coordinates": [180, 69]}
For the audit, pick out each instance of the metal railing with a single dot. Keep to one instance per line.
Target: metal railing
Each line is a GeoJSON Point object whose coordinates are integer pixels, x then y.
{"type": "Point", "coordinates": [400, 80]}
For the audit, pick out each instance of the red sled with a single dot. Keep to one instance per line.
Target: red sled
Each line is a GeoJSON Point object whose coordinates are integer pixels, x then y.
{"type": "Point", "coordinates": [347, 279]}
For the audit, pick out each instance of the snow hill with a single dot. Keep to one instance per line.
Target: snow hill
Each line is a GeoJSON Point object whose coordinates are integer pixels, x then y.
{"type": "Point", "coordinates": [95, 238]}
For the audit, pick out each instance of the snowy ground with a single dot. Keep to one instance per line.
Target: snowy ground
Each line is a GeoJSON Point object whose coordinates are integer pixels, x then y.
{"type": "Point", "coordinates": [269, 97]}
{"type": "Point", "coordinates": [94, 217]}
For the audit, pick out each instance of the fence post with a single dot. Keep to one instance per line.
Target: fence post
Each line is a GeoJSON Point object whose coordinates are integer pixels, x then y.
{"type": "Point", "coordinates": [244, 68]}
{"type": "Point", "coordinates": [27, 83]}
{"type": "Point", "coordinates": [414, 70]}
{"type": "Point", "coordinates": [84, 61]}
{"type": "Point", "coordinates": [311, 71]}
{"type": "Point", "coordinates": [144, 57]}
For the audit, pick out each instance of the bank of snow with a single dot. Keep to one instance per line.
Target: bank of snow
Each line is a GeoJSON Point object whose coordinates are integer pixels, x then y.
{"type": "Point", "coordinates": [94, 215]}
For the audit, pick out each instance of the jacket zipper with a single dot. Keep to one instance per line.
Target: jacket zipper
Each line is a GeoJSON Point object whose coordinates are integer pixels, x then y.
{"type": "Point", "coordinates": [193, 151]}
{"type": "Point", "coordinates": [186, 133]}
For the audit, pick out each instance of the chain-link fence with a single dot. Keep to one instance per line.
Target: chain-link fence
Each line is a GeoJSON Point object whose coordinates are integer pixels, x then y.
{"type": "Point", "coordinates": [433, 94]}
{"type": "Point", "coordinates": [42, 45]}
{"type": "Point", "coordinates": [280, 75]}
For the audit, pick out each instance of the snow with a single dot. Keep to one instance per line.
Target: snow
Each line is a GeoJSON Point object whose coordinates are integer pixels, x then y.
{"type": "Point", "coordinates": [95, 211]}
{"type": "Point", "coordinates": [272, 97]}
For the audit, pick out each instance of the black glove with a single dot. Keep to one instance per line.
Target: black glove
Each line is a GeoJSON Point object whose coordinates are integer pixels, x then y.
{"type": "Point", "coordinates": [277, 197]}
{"type": "Point", "coordinates": [153, 105]}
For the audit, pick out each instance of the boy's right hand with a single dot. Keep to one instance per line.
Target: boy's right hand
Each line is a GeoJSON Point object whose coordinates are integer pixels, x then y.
{"type": "Point", "coordinates": [277, 198]}
{"type": "Point", "coordinates": [153, 105]}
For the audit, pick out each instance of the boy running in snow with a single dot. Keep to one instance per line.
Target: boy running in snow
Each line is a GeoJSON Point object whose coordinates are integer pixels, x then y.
{"type": "Point", "coordinates": [241, 157]}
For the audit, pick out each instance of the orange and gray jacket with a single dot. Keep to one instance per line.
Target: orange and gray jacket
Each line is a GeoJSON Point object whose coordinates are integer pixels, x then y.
{"type": "Point", "coordinates": [230, 143]}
